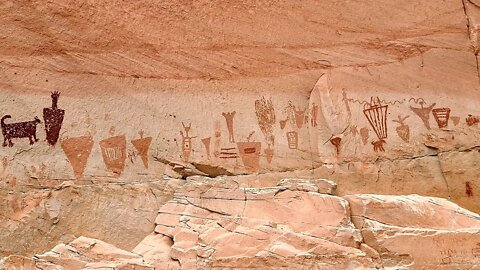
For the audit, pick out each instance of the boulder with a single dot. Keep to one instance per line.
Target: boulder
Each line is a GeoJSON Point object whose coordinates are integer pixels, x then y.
{"type": "Point", "coordinates": [418, 232]}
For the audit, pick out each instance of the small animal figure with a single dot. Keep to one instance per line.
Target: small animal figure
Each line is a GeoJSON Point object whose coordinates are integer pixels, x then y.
{"type": "Point", "coordinates": [354, 131]}
{"type": "Point", "coordinates": [472, 120]}
{"type": "Point", "coordinates": [378, 146]}
{"type": "Point", "coordinates": [19, 130]}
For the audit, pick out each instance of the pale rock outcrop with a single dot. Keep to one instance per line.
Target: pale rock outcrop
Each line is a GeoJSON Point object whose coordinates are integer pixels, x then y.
{"type": "Point", "coordinates": [36, 220]}
{"type": "Point", "coordinates": [418, 232]}
{"type": "Point", "coordinates": [155, 250]}
{"type": "Point", "coordinates": [472, 11]}
{"type": "Point", "coordinates": [135, 75]}
{"type": "Point", "coordinates": [109, 96]}
{"type": "Point", "coordinates": [87, 253]}
{"type": "Point", "coordinates": [215, 224]}
{"type": "Point", "coordinates": [82, 253]}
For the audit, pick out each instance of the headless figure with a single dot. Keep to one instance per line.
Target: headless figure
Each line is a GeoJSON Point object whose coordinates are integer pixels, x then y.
{"type": "Point", "coordinates": [423, 113]}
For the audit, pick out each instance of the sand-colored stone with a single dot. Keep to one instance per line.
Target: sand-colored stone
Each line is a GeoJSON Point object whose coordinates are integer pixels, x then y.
{"type": "Point", "coordinates": [380, 96]}
{"type": "Point", "coordinates": [224, 225]}
{"type": "Point", "coordinates": [88, 253]}
{"type": "Point", "coordinates": [363, 231]}
{"type": "Point", "coordinates": [311, 185]}
{"type": "Point", "coordinates": [418, 232]}
{"type": "Point", "coordinates": [102, 211]}
{"type": "Point", "coordinates": [155, 250]}
{"type": "Point", "coordinates": [318, 73]}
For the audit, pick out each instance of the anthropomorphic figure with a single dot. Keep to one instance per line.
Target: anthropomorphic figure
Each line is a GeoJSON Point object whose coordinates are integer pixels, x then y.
{"type": "Point", "coordinates": [229, 119]}
{"type": "Point", "coordinates": [186, 142]}
{"type": "Point", "coordinates": [314, 115]}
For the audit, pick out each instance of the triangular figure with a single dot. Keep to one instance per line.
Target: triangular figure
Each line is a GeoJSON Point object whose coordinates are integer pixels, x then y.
{"type": "Point", "coordinates": [142, 145]}
{"type": "Point", "coordinates": [78, 151]}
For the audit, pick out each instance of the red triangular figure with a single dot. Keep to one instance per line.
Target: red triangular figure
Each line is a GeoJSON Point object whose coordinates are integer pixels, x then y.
{"type": "Point", "coordinates": [142, 145]}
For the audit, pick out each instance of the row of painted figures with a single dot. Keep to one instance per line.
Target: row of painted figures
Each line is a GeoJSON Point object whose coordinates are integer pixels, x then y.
{"type": "Point", "coordinates": [113, 151]}
{"type": "Point", "coordinates": [114, 148]}
{"type": "Point", "coordinates": [376, 113]}
{"type": "Point", "coordinates": [76, 149]}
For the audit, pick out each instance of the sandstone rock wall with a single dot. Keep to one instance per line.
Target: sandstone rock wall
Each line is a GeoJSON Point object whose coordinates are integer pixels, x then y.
{"type": "Point", "coordinates": [297, 224]}
{"type": "Point", "coordinates": [381, 96]}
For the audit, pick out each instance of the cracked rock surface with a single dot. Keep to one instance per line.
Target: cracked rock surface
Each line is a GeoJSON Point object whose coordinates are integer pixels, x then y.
{"type": "Point", "coordinates": [301, 78]}
{"type": "Point", "coordinates": [113, 109]}
{"type": "Point", "coordinates": [36, 220]}
{"type": "Point", "coordinates": [213, 223]}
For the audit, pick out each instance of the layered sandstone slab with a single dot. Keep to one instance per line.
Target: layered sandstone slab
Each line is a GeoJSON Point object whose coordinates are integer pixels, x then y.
{"type": "Point", "coordinates": [421, 232]}
{"type": "Point", "coordinates": [259, 92]}
{"type": "Point", "coordinates": [284, 227]}
{"type": "Point", "coordinates": [380, 95]}
{"type": "Point", "coordinates": [222, 225]}
{"type": "Point", "coordinates": [82, 253]}
{"type": "Point", "coordinates": [36, 220]}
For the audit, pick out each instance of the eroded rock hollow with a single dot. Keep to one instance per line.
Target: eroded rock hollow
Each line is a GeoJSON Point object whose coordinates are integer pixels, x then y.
{"type": "Point", "coordinates": [239, 134]}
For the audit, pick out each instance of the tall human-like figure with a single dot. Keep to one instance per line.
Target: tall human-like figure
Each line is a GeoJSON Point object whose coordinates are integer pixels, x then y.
{"type": "Point", "coordinates": [229, 119]}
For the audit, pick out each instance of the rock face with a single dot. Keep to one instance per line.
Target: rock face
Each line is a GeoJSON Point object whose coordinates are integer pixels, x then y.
{"type": "Point", "coordinates": [35, 221]}
{"type": "Point", "coordinates": [108, 107]}
{"type": "Point", "coordinates": [422, 232]}
{"type": "Point", "coordinates": [154, 87]}
{"type": "Point", "coordinates": [215, 224]}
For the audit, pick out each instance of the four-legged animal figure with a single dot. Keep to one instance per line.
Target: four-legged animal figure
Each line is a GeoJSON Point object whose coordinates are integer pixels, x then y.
{"type": "Point", "coordinates": [19, 130]}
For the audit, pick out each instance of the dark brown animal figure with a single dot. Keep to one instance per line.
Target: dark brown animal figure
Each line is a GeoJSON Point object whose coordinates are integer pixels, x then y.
{"type": "Point", "coordinates": [19, 130]}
